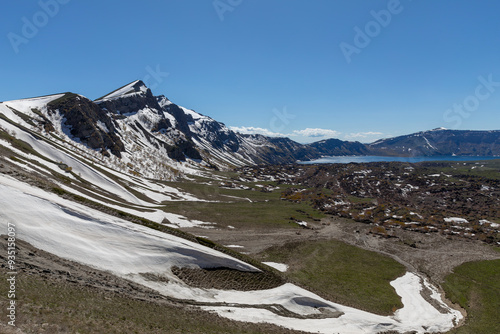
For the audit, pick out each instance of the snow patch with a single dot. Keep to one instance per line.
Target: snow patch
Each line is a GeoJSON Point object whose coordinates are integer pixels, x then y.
{"type": "Point", "coordinates": [456, 220]}
{"type": "Point", "coordinates": [278, 266]}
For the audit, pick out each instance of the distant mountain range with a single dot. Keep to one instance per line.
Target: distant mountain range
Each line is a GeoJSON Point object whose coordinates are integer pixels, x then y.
{"type": "Point", "coordinates": [131, 122]}
{"type": "Point", "coordinates": [440, 142]}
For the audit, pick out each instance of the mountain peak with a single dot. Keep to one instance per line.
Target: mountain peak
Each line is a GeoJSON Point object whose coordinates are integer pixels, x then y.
{"type": "Point", "coordinates": [135, 87]}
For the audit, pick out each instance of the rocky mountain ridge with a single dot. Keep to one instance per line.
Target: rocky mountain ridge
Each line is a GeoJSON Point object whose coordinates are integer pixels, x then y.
{"type": "Point", "coordinates": [440, 142]}
{"type": "Point", "coordinates": [132, 124]}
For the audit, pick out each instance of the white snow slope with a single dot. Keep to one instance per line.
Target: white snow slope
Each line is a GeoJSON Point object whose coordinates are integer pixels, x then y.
{"type": "Point", "coordinates": [78, 233]}
{"type": "Point", "coordinates": [84, 164]}
{"type": "Point", "coordinates": [123, 91]}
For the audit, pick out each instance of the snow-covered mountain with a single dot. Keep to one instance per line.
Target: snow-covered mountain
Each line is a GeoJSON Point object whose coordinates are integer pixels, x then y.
{"type": "Point", "coordinates": [440, 141]}
{"type": "Point", "coordinates": [139, 133]}
{"type": "Point", "coordinates": [147, 131]}
{"type": "Point", "coordinates": [188, 134]}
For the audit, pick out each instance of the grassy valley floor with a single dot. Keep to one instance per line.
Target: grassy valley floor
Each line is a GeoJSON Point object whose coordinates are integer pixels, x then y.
{"type": "Point", "coordinates": [342, 273]}
{"type": "Point", "coordinates": [475, 286]}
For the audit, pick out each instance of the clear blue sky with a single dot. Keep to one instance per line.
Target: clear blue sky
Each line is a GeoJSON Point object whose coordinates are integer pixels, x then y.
{"type": "Point", "coordinates": [294, 67]}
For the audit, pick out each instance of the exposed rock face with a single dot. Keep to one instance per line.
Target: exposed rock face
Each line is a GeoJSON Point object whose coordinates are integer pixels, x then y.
{"type": "Point", "coordinates": [88, 122]}
{"type": "Point", "coordinates": [284, 150]}
{"type": "Point", "coordinates": [218, 135]}
{"type": "Point", "coordinates": [182, 119]}
{"type": "Point", "coordinates": [151, 119]}
{"type": "Point", "coordinates": [130, 102]}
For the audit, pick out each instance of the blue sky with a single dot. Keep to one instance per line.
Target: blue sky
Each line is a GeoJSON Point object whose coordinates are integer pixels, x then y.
{"type": "Point", "coordinates": [356, 70]}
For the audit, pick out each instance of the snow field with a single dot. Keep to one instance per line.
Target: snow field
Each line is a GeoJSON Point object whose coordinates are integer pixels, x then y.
{"type": "Point", "coordinates": [81, 234]}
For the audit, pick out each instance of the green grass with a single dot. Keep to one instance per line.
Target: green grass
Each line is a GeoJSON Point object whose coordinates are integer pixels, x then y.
{"type": "Point", "coordinates": [475, 286]}
{"type": "Point", "coordinates": [354, 199]}
{"type": "Point", "coordinates": [241, 208]}
{"type": "Point", "coordinates": [491, 169]}
{"type": "Point", "coordinates": [160, 227]}
{"type": "Point", "coordinates": [271, 214]}
{"type": "Point", "coordinates": [342, 273]}
{"type": "Point", "coordinates": [201, 189]}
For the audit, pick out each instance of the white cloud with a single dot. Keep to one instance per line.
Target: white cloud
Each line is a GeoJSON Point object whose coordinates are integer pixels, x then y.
{"type": "Point", "coordinates": [309, 132]}
{"type": "Point", "coordinates": [250, 130]}
{"type": "Point", "coordinates": [362, 135]}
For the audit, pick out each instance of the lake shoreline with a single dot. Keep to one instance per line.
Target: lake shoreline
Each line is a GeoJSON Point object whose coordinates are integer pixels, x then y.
{"type": "Point", "coordinates": [372, 158]}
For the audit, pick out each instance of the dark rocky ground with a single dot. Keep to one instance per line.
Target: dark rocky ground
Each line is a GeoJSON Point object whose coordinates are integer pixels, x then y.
{"type": "Point", "coordinates": [393, 195]}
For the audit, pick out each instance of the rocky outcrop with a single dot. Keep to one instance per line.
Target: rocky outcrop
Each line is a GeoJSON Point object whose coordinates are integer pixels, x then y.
{"type": "Point", "coordinates": [130, 102]}
{"type": "Point", "coordinates": [88, 122]}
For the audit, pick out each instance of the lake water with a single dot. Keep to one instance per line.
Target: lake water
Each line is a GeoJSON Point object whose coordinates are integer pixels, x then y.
{"type": "Point", "coordinates": [368, 158]}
